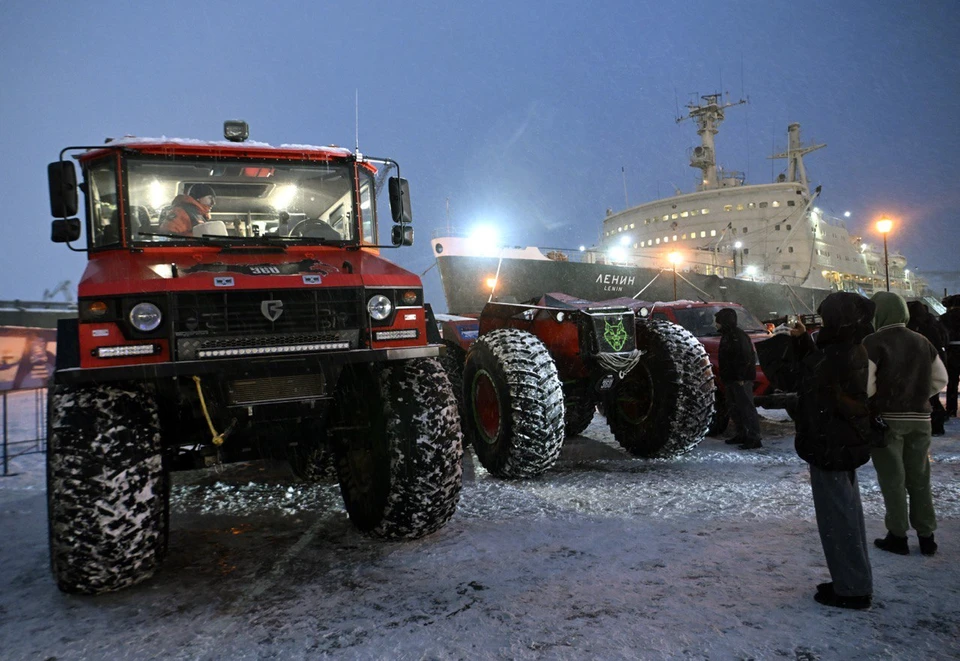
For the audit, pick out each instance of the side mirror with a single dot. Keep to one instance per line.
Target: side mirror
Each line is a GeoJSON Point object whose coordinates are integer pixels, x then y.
{"type": "Point", "coordinates": [65, 230]}
{"type": "Point", "coordinates": [400, 201]}
{"type": "Point", "coordinates": [63, 189]}
{"type": "Point", "coordinates": [402, 235]}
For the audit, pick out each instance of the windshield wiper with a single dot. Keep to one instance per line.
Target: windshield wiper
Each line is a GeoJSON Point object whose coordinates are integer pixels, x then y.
{"type": "Point", "coordinates": [223, 241]}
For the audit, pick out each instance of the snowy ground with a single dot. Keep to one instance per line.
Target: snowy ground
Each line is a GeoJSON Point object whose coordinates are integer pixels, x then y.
{"type": "Point", "coordinates": [711, 556]}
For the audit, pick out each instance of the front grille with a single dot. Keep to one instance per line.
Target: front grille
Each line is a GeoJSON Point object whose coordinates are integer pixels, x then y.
{"type": "Point", "coordinates": [275, 389]}
{"type": "Point", "coordinates": [238, 313]}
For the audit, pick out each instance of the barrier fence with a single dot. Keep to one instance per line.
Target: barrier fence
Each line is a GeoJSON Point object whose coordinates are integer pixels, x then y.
{"type": "Point", "coordinates": [24, 424]}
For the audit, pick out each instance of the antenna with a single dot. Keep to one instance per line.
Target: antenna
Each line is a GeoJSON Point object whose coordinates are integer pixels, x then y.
{"type": "Point", "coordinates": [626, 200]}
{"type": "Point", "coordinates": [356, 116]}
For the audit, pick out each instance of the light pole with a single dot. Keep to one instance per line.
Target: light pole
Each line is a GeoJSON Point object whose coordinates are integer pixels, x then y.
{"type": "Point", "coordinates": [736, 248]}
{"type": "Point", "coordinates": [884, 225]}
{"type": "Point", "coordinates": [675, 258]}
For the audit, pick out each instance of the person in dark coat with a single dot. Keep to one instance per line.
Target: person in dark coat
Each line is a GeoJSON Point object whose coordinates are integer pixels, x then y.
{"type": "Point", "coordinates": [833, 436]}
{"type": "Point", "coordinates": [951, 320]}
{"type": "Point", "coordinates": [738, 371]}
{"type": "Point", "coordinates": [921, 321]}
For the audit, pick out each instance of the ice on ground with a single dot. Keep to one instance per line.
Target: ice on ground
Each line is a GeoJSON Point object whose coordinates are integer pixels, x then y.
{"type": "Point", "coordinates": [714, 555]}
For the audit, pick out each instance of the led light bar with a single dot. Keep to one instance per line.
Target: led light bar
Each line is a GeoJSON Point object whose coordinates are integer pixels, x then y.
{"type": "Point", "coordinates": [261, 351]}
{"type": "Point", "coordinates": [410, 334]}
{"type": "Point", "coordinates": [123, 352]}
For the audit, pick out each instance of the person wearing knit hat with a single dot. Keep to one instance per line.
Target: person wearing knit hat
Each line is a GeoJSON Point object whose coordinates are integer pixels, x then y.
{"type": "Point", "coordinates": [905, 371]}
{"type": "Point", "coordinates": [189, 210]}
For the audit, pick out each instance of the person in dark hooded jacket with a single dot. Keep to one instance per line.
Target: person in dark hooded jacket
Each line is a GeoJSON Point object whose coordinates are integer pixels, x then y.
{"type": "Point", "coordinates": [921, 321]}
{"type": "Point", "coordinates": [738, 370]}
{"type": "Point", "coordinates": [951, 320]}
{"type": "Point", "coordinates": [833, 437]}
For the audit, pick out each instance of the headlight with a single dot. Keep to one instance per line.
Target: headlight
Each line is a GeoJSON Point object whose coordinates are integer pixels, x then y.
{"type": "Point", "coordinates": [145, 317]}
{"type": "Point", "coordinates": [379, 307]}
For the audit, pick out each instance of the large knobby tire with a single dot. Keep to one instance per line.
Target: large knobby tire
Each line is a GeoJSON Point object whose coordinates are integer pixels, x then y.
{"type": "Point", "coordinates": [721, 416]}
{"type": "Point", "coordinates": [663, 407]}
{"type": "Point", "coordinates": [579, 406]}
{"type": "Point", "coordinates": [107, 495]}
{"type": "Point", "coordinates": [399, 447]}
{"type": "Point", "coordinates": [311, 456]}
{"type": "Point", "coordinates": [514, 404]}
{"type": "Point", "coordinates": [452, 361]}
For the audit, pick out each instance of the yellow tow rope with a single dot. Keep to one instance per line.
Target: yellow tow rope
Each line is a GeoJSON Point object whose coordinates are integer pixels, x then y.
{"type": "Point", "coordinates": [217, 438]}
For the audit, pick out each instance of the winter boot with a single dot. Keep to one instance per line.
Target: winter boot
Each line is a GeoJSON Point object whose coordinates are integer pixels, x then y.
{"type": "Point", "coordinates": [751, 445]}
{"type": "Point", "coordinates": [830, 598]}
{"type": "Point", "coordinates": [927, 545]}
{"type": "Point", "coordinates": [825, 587]}
{"type": "Point", "coordinates": [893, 544]}
{"type": "Point", "coordinates": [734, 440]}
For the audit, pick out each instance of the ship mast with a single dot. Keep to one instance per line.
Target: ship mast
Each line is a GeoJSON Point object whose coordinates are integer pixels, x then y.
{"type": "Point", "coordinates": [708, 116]}
{"type": "Point", "coordinates": [794, 155]}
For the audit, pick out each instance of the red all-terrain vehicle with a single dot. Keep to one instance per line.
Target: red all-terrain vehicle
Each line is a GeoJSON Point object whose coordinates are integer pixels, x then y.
{"type": "Point", "coordinates": [259, 320]}
{"type": "Point", "coordinates": [537, 371]}
{"type": "Point", "coordinates": [698, 317]}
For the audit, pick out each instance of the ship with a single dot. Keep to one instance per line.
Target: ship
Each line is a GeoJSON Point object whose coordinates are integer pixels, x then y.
{"type": "Point", "coordinates": [769, 247]}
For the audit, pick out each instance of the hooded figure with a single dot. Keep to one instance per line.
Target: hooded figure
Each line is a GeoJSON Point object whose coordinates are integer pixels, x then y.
{"type": "Point", "coordinates": [188, 211]}
{"type": "Point", "coordinates": [921, 321]}
{"type": "Point", "coordinates": [951, 321]}
{"type": "Point", "coordinates": [833, 437]}
{"type": "Point", "coordinates": [905, 373]}
{"type": "Point", "coordinates": [738, 370]}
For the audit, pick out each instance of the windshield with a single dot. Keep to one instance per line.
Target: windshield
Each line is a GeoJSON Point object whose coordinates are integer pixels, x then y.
{"type": "Point", "coordinates": [173, 199]}
{"type": "Point", "coordinates": [701, 322]}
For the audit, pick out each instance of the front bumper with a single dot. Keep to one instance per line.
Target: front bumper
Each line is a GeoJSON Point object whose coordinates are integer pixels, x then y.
{"type": "Point", "coordinates": [312, 363]}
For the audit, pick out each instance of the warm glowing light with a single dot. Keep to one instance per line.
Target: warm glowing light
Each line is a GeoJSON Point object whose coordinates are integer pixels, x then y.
{"type": "Point", "coordinates": [617, 254]}
{"type": "Point", "coordinates": [158, 196]}
{"type": "Point", "coordinates": [884, 225]}
{"type": "Point", "coordinates": [284, 196]}
{"type": "Point", "coordinates": [491, 282]}
{"type": "Point", "coordinates": [675, 258]}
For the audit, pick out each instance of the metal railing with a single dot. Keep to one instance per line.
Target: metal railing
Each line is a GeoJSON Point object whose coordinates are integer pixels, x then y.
{"type": "Point", "coordinates": [28, 418]}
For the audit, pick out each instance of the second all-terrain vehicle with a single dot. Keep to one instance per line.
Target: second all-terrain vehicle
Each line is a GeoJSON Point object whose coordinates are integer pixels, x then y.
{"type": "Point", "coordinates": [537, 370]}
{"type": "Point", "coordinates": [235, 306]}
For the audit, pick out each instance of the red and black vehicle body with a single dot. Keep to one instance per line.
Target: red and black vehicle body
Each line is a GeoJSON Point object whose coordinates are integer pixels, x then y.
{"type": "Point", "coordinates": [537, 371]}
{"type": "Point", "coordinates": [271, 326]}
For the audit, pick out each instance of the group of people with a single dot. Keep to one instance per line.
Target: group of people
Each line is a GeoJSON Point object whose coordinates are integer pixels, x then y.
{"type": "Point", "coordinates": [869, 383]}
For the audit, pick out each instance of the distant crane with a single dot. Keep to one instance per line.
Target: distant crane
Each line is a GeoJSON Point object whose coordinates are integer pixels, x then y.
{"type": "Point", "coordinates": [62, 288]}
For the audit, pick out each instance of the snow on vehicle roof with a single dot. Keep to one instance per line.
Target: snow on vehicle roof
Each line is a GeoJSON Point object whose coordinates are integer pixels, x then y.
{"type": "Point", "coordinates": [130, 140]}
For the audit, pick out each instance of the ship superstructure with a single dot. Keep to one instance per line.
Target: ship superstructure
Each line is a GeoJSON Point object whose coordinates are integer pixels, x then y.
{"type": "Point", "coordinates": [763, 232]}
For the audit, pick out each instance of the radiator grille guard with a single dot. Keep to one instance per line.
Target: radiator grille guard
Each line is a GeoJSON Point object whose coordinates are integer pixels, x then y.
{"type": "Point", "coordinates": [613, 332]}
{"type": "Point", "coordinates": [247, 323]}
{"type": "Point", "coordinates": [275, 389]}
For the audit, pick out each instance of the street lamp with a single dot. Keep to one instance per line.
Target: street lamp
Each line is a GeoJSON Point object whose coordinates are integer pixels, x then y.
{"type": "Point", "coordinates": [884, 225]}
{"type": "Point", "coordinates": [736, 247]}
{"type": "Point", "coordinates": [675, 258]}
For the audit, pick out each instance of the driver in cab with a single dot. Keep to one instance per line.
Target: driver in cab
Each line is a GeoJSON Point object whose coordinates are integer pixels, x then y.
{"type": "Point", "coordinates": [188, 211]}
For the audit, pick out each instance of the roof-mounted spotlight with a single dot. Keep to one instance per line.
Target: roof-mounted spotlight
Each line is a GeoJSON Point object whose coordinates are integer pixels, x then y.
{"type": "Point", "coordinates": [236, 130]}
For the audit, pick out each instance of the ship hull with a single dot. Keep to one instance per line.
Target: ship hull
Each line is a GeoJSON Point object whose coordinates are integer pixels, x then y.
{"type": "Point", "coordinates": [465, 284]}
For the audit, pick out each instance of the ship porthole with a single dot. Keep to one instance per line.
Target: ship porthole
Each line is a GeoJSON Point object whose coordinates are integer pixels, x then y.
{"type": "Point", "coordinates": [439, 248]}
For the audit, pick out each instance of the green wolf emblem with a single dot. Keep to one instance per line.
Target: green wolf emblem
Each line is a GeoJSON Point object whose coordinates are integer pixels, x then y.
{"type": "Point", "coordinates": [615, 334]}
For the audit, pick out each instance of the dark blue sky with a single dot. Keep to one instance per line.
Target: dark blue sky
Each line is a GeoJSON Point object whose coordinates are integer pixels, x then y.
{"type": "Point", "coordinates": [520, 113]}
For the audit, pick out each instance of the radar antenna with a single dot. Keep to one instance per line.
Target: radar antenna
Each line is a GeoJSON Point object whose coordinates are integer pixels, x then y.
{"type": "Point", "coordinates": [796, 172]}
{"type": "Point", "coordinates": [708, 115]}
